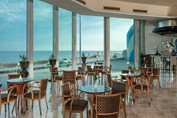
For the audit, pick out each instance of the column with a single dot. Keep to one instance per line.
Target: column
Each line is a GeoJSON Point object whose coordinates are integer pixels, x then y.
{"type": "Point", "coordinates": [106, 41]}
{"type": "Point", "coordinates": [136, 44]}
{"type": "Point", "coordinates": [74, 47]}
{"type": "Point", "coordinates": [55, 34]}
{"type": "Point", "coordinates": [142, 36]}
{"type": "Point", "coordinates": [29, 43]}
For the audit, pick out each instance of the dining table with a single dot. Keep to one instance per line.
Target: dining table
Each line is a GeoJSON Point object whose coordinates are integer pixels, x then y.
{"type": "Point", "coordinates": [20, 84]}
{"type": "Point", "coordinates": [92, 91]}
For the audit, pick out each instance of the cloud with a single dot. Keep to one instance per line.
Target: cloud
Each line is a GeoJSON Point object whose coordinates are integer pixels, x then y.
{"type": "Point", "coordinates": [13, 10]}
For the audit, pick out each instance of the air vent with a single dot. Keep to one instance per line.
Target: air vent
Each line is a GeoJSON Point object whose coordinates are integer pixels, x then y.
{"type": "Point", "coordinates": [111, 8]}
{"type": "Point", "coordinates": [139, 11]}
{"type": "Point", "coordinates": [81, 1]}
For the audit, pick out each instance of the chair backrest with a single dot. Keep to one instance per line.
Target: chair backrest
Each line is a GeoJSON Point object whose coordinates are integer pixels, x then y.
{"type": "Point", "coordinates": [65, 91]}
{"type": "Point", "coordinates": [118, 87]}
{"type": "Point", "coordinates": [146, 71]}
{"type": "Point", "coordinates": [156, 71]}
{"type": "Point", "coordinates": [108, 68]}
{"type": "Point", "coordinates": [54, 69]}
{"type": "Point", "coordinates": [108, 105]}
{"type": "Point", "coordinates": [43, 87]}
{"type": "Point", "coordinates": [14, 75]}
{"type": "Point", "coordinates": [89, 69]}
{"type": "Point", "coordinates": [81, 70]}
{"type": "Point", "coordinates": [69, 76]}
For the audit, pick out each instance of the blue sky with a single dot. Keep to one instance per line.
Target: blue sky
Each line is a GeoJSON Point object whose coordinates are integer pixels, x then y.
{"type": "Point", "coordinates": [13, 28]}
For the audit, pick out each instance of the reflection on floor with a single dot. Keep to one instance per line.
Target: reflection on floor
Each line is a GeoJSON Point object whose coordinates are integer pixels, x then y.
{"type": "Point", "coordinates": [164, 104]}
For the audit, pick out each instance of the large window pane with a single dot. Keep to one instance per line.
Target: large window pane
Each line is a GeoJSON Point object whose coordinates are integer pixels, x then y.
{"type": "Point", "coordinates": [92, 43]}
{"type": "Point", "coordinates": [65, 39]}
{"type": "Point", "coordinates": [12, 34]}
{"type": "Point", "coordinates": [43, 36]}
{"type": "Point", "coordinates": [121, 43]}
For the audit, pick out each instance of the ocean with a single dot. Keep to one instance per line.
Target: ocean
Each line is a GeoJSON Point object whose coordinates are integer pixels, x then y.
{"type": "Point", "coordinates": [13, 56]}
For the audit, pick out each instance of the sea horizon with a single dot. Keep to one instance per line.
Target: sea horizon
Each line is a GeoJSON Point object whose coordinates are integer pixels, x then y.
{"type": "Point", "coordinates": [13, 56]}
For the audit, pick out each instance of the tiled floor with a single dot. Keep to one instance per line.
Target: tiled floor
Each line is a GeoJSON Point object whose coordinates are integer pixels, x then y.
{"type": "Point", "coordinates": [164, 104]}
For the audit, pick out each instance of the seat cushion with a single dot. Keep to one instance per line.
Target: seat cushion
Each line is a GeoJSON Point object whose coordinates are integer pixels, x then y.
{"type": "Point", "coordinates": [78, 77]}
{"type": "Point", "coordinates": [77, 104]}
{"type": "Point", "coordinates": [58, 78]}
{"type": "Point", "coordinates": [29, 95]}
{"type": "Point", "coordinates": [4, 97]}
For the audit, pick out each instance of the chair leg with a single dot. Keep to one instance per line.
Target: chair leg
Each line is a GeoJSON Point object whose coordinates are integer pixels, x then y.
{"type": "Point", "coordinates": [64, 113]}
{"type": "Point", "coordinates": [87, 111]}
{"type": "Point", "coordinates": [5, 107]}
{"type": "Point", "coordinates": [46, 102]}
{"type": "Point", "coordinates": [15, 106]}
{"type": "Point", "coordinates": [40, 107]}
{"type": "Point", "coordinates": [159, 83]}
{"type": "Point", "coordinates": [125, 113]}
{"type": "Point", "coordinates": [81, 115]}
{"type": "Point", "coordinates": [69, 114]}
{"type": "Point", "coordinates": [8, 106]}
{"type": "Point", "coordinates": [32, 103]}
{"type": "Point", "coordinates": [24, 109]}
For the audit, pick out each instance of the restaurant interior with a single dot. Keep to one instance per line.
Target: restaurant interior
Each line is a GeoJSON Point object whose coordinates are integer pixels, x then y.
{"type": "Point", "coordinates": [143, 88]}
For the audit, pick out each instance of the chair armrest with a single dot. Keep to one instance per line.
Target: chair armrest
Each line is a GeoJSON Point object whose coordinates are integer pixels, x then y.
{"type": "Point", "coordinates": [30, 88]}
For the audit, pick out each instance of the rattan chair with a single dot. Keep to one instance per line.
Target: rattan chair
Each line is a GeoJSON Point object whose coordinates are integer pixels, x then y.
{"type": "Point", "coordinates": [36, 93]}
{"type": "Point", "coordinates": [122, 88]}
{"type": "Point", "coordinates": [107, 69]}
{"type": "Point", "coordinates": [81, 72]}
{"type": "Point", "coordinates": [55, 76]}
{"type": "Point", "coordinates": [71, 103]}
{"type": "Point", "coordinates": [6, 97]}
{"type": "Point", "coordinates": [12, 76]}
{"type": "Point", "coordinates": [156, 75]}
{"type": "Point", "coordinates": [107, 106]}
{"type": "Point", "coordinates": [70, 76]}
{"type": "Point", "coordinates": [144, 85]}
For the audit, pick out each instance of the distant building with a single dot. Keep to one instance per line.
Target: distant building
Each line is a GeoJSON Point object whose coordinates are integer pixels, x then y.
{"type": "Point", "coordinates": [130, 44]}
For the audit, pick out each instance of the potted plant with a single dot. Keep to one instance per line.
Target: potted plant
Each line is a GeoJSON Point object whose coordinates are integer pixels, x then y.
{"type": "Point", "coordinates": [84, 58]}
{"type": "Point", "coordinates": [142, 59]}
{"type": "Point", "coordinates": [24, 63]}
{"type": "Point", "coordinates": [52, 60]}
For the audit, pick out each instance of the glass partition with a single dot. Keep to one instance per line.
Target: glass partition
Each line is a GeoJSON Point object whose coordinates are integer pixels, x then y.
{"type": "Point", "coordinates": [121, 43]}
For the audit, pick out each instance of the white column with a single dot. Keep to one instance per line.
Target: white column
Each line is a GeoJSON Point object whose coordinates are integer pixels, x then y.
{"type": "Point", "coordinates": [74, 47]}
{"type": "Point", "coordinates": [142, 36]}
{"type": "Point", "coordinates": [106, 41]}
{"type": "Point", "coordinates": [55, 33]}
{"type": "Point", "coordinates": [29, 45]}
{"type": "Point", "coordinates": [136, 43]}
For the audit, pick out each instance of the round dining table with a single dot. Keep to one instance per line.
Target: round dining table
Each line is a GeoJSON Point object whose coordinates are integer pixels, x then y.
{"type": "Point", "coordinates": [20, 84]}
{"type": "Point", "coordinates": [90, 89]}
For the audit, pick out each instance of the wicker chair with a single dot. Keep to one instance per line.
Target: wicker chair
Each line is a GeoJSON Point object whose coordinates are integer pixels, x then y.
{"type": "Point", "coordinates": [12, 76]}
{"type": "Point", "coordinates": [71, 103]}
{"type": "Point", "coordinates": [156, 75]}
{"type": "Point", "coordinates": [7, 98]}
{"type": "Point", "coordinates": [70, 76]}
{"type": "Point", "coordinates": [107, 106]}
{"type": "Point", "coordinates": [120, 87]}
{"type": "Point", "coordinates": [55, 76]}
{"type": "Point", "coordinates": [107, 69]}
{"type": "Point", "coordinates": [36, 94]}
{"type": "Point", "coordinates": [144, 85]}
{"type": "Point", "coordinates": [81, 74]}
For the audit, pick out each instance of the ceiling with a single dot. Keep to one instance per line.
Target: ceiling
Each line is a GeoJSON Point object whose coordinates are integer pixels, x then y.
{"type": "Point", "coordinates": [152, 2]}
{"type": "Point", "coordinates": [156, 9]}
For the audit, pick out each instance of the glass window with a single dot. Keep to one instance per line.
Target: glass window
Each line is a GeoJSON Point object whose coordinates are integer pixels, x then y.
{"type": "Point", "coordinates": [121, 43]}
{"type": "Point", "coordinates": [65, 39]}
{"type": "Point", "coordinates": [12, 34]}
{"type": "Point", "coordinates": [43, 36]}
{"type": "Point", "coordinates": [92, 41]}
